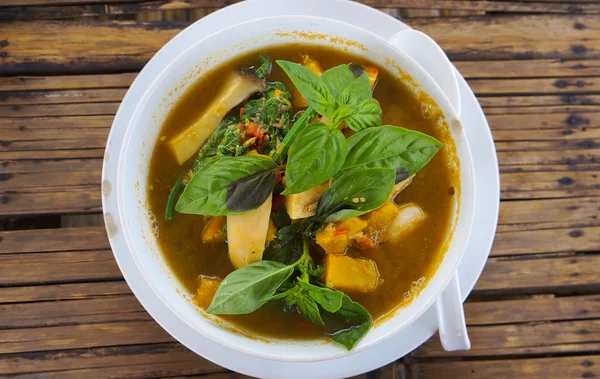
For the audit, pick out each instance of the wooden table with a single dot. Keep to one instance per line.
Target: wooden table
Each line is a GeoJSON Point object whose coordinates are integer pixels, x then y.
{"type": "Point", "coordinates": [65, 310]}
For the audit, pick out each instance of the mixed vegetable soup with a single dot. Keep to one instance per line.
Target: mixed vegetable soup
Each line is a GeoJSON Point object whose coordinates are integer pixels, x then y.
{"type": "Point", "coordinates": [302, 192]}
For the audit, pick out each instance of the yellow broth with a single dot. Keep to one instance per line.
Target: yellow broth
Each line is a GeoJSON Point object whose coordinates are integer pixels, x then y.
{"type": "Point", "coordinates": [400, 264]}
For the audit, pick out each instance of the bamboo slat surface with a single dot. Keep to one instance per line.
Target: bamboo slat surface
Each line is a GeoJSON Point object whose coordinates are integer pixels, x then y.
{"type": "Point", "coordinates": [65, 65]}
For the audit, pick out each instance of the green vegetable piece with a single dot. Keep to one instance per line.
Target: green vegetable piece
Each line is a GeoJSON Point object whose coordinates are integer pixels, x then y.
{"type": "Point", "coordinates": [301, 123]}
{"type": "Point", "coordinates": [316, 155]}
{"type": "Point", "coordinates": [307, 306]}
{"type": "Point", "coordinates": [347, 84]}
{"type": "Point", "coordinates": [286, 248]}
{"type": "Point", "coordinates": [311, 87]}
{"type": "Point", "coordinates": [366, 113]}
{"type": "Point", "coordinates": [329, 299]}
{"type": "Point", "coordinates": [356, 192]}
{"type": "Point", "coordinates": [248, 288]}
{"type": "Point", "coordinates": [265, 67]}
{"type": "Point", "coordinates": [217, 187]}
{"type": "Point", "coordinates": [359, 321]}
{"type": "Point", "coordinates": [403, 150]}
{"type": "Point", "coordinates": [172, 200]}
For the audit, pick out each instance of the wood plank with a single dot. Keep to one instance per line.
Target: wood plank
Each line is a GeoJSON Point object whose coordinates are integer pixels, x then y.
{"type": "Point", "coordinates": [56, 166]}
{"type": "Point", "coordinates": [550, 168]}
{"type": "Point", "coordinates": [582, 210]}
{"type": "Point", "coordinates": [503, 146]}
{"type": "Point", "coordinates": [546, 241]}
{"type": "Point", "coordinates": [74, 312]}
{"type": "Point", "coordinates": [139, 361]}
{"type": "Point", "coordinates": [563, 134]}
{"type": "Point", "coordinates": [51, 201]}
{"type": "Point", "coordinates": [532, 309]}
{"type": "Point", "coordinates": [537, 157]}
{"type": "Point", "coordinates": [539, 275]}
{"type": "Point", "coordinates": [539, 101]}
{"type": "Point", "coordinates": [69, 266]}
{"type": "Point", "coordinates": [576, 85]}
{"type": "Point", "coordinates": [51, 179]}
{"type": "Point", "coordinates": [19, 83]}
{"type": "Point", "coordinates": [516, 110]}
{"type": "Point", "coordinates": [568, 181]}
{"type": "Point", "coordinates": [57, 46]}
{"type": "Point", "coordinates": [61, 239]}
{"type": "Point", "coordinates": [538, 368]}
{"type": "Point", "coordinates": [72, 291]}
{"type": "Point", "coordinates": [522, 339]}
{"type": "Point", "coordinates": [51, 154]}
{"type": "Point", "coordinates": [41, 125]}
{"type": "Point", "coordinates": [531, 68]}
{"type": "Point", "coordinates": [79, 9]}
{"type": "Point", "coordinates": [62, 96]}
{"type": "Point", "coordinates": [46, 110]}
{"type": "Point", "coordinates": [82, 336]}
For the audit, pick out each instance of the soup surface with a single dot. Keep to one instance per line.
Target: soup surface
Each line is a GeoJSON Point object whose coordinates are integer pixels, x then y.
{"type": "Point", "coordinates": [403, 265]}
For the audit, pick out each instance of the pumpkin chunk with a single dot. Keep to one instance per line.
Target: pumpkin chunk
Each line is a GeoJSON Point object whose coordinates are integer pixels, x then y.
{"type": "Point", "coordinates": [207, 287]}
{"type": "Point", "coordinates": [337, 236]}
{"type": "Point", "coordinates": [349, 274]}
{"type": "Point", "coordinates": [213, 230]}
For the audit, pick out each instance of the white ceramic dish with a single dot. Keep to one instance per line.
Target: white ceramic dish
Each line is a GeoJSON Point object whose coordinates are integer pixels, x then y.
{"type": "Point", "coordinates": [182, 331]}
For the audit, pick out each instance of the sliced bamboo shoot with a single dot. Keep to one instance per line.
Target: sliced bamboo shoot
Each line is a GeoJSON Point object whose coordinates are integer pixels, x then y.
{"type": "Point", "coordinates": [401, 186]}
{"type": "Point", "coordinates": [304, 204]}
{"type": "Point", "coordinates": [247, 234]}
{"type": "Point", "coordinates": [237, 88]}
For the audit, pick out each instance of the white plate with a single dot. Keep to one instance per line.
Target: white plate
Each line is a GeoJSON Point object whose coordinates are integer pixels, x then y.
{"type": "Point", "coordinates": [486, 207]}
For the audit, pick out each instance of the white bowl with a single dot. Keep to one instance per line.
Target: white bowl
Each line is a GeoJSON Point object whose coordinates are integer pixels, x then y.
{"type": "Point", "coordinates": [134, 220]}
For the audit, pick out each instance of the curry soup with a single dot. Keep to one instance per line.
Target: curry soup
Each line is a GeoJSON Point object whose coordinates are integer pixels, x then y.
{"type": "Point", "coordinates": [378, 256]}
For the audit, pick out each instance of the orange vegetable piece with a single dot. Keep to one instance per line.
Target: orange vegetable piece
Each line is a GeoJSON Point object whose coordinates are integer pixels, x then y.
{"type": "Point", "coordinates": [213, 231]}
{"type": "Point", "coordinates": [349, 274]}
{"type": "Point", "coordinates": [207, 287]}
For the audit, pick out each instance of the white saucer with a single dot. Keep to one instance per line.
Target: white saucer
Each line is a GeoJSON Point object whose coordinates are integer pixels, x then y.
{"type": "Point", "coordinates": [486, 206]}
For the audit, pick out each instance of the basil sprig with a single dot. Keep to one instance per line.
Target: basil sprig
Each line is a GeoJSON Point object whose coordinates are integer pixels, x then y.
{"type": "Point", "coordinates": [341, 94]}
{"type": "Point", "coordinates": [229, 185]}
{"type": "Point", "coordinates": [247, 289]}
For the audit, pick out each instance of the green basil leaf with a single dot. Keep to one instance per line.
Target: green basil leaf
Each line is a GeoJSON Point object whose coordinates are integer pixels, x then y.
{"type": "Point", "coordinates": [248, 288]}
{"type": "Point", "coordinates": [329, 299]}
{"type": "Point", "coordinates": [316, 155]}
{"type": "Point", "coordinates": [286, 248]}
{"type": "Point", "coordinates": [356, 192]}
{"type": "Point", "coordinates": [367, 113]}
{"type": "Point", "coordinates": [340, 114]}
{"type": "Point", "coordinates": [208, 190]}
{"type": "Point", "coordinates": [388, 146]}
{"type": "Point", "coordinates": [358, 319]}
{"type": "Point", "coordinates": [347, 83]}
{"type": "Point", "coordinates": [250, 192]}
{"type": "Point", "coordinates": [311, 87]}
{"type": "Point", "coordinates": [308, 307]}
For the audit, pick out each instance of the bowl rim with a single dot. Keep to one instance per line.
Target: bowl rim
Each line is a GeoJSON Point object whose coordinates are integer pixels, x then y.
{"type": "Point", "coordinates": [449, 114]}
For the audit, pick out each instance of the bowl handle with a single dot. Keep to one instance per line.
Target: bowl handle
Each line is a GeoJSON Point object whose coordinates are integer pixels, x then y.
{"type": "Point", "coordinates": [430, 56]}
{"type": "Point", "coordinates": [451, 318]}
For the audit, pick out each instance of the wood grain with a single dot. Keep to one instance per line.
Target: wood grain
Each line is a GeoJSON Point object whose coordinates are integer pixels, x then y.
{"type": "Point", "coordinates": [539, 368]}
{"type": "Point", "coordinates": [30, 48]}
{"type": "Point", "coordinates": [163, 359]}
{"type": "Point", "coordinates": [46, 268]}
{"type": "Point", "coordinates": [62, 292]}
{"type": "Point", "coordinates": [46, 10]}
{"type": "Point", "coordinates": [61, 239]}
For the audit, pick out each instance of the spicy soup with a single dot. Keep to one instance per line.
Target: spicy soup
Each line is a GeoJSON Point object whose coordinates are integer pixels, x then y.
{"type": "Point", "coordinates": [402, 265]}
